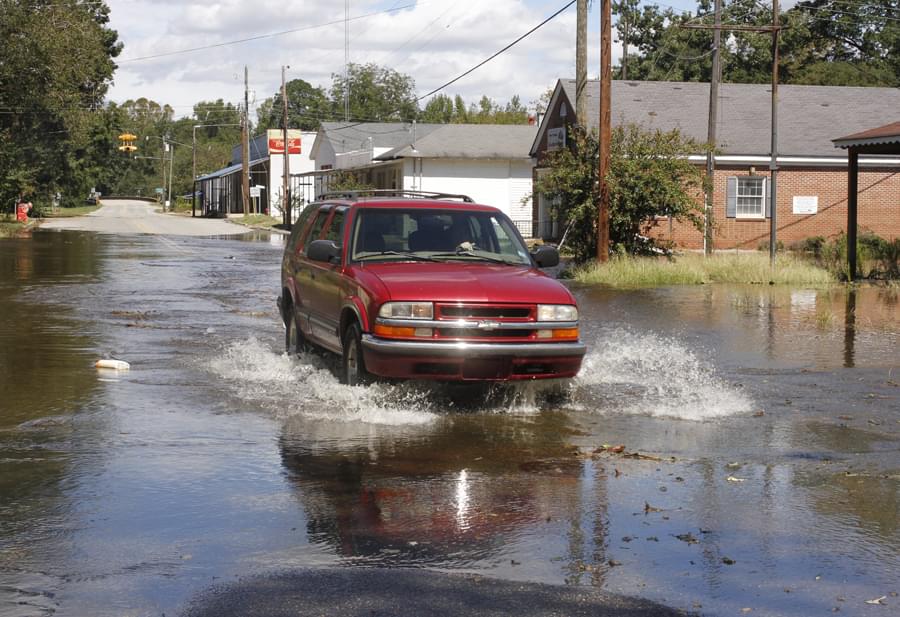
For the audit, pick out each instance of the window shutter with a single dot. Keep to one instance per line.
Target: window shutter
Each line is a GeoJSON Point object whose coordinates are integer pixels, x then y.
{"type": "Point", "coordinates": [731, 197]}
{"type": "Point", "coordinates": [766, 198]}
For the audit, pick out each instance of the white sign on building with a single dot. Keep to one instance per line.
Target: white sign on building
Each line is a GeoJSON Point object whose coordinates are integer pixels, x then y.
{"type": "Point", "coordinates": [806, 204]}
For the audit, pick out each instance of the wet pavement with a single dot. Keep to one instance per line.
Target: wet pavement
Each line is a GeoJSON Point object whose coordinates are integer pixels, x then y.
{"type": "Point", "coordinates": [726, 450]}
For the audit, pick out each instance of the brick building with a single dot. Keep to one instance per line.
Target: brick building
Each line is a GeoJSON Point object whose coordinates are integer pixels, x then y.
{"type": "Point", "coordinates": [812, 173]}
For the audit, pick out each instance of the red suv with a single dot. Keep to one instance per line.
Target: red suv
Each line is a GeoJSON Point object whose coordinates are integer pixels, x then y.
{"type": "Point", "coordinates": [429, 286]}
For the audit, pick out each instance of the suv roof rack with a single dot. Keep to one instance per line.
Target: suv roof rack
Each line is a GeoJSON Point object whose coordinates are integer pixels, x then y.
{"type": "Point", "coordinates": [356, 194]}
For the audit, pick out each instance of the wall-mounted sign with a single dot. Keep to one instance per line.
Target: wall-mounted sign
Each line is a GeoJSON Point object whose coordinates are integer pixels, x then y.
{"type": "Point", "coordinates": [276, 141]}
{"type": "Point", "coordinates": [806, 204]}
{"type": "Point", "coordinates": [556, 138]}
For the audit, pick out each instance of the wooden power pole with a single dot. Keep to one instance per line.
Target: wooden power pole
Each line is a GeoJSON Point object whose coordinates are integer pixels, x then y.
{"type": "Point", "coordinates": [773, 163]}
{"type": "Point", "coordinates": [605, 128]}
{"type": "Point", "coordinates": [286, 167]}
{"type": "Point", "coordinates": [581, 62]}
{"type": "Point", "coordinates": [715, 77]}
{"type": "Point", "coordinates": [245, 146]}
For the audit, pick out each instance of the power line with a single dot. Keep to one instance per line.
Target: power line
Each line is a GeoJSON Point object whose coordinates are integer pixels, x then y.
{"type": "Point", "coordinates": [485, 61]}
{"type": "Point", "coordinates": [264, 36]}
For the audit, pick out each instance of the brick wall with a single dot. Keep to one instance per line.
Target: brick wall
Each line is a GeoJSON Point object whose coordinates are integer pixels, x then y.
{"type": "Point", "coordinates": [879, 209]}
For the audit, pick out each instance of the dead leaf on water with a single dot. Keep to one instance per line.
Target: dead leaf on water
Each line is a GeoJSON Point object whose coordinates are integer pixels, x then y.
{"type": "Point", "coordinates": [877, 600]}
{"type": "Point", "coordinates": [733, 479]}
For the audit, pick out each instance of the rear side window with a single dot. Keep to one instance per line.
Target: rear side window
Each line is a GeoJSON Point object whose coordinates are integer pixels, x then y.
{"type": "Point", "coordinates": [335, 231]}
{"type": "Point", "coordinates": [300, 225]}
{"type": "Point", "coordinates": [316, 228]}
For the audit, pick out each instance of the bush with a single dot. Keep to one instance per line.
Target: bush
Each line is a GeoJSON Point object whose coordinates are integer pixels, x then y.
{"type": "Point", "coordinates": [875, 256]}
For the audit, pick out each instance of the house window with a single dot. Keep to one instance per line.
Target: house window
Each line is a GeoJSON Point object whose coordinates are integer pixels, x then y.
{"type": "Point", "coordinates": [746, 197]}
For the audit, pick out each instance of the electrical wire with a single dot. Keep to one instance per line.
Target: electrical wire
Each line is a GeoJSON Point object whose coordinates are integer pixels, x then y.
{"type": "Point", "coordinates": [262, 36]}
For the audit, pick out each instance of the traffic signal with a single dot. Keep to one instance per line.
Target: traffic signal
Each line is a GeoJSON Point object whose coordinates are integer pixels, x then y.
{"type": "Point", "coordinates": [126, 139]}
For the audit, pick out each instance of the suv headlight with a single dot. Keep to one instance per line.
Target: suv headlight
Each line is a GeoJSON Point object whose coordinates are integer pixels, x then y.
{"type": "Point", "coordinates": [557, 312]}
{"type": "Point", "coordinates": [407, 310]}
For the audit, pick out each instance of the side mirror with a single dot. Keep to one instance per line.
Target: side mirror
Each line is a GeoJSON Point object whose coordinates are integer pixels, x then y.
{"type": "Point", "coordinates": [546, 256]}
{"type": "Point", "coordinates": [324, 250]}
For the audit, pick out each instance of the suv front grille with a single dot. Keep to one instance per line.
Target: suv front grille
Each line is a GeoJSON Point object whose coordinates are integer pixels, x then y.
{"type": "Point", "coordinates": [519, 313]}
{"type": "Point", "coordinates": [499, 313]}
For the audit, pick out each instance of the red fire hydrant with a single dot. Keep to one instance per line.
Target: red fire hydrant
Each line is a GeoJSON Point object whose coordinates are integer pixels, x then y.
{"type": "Point", "coordinates": [22, 209]}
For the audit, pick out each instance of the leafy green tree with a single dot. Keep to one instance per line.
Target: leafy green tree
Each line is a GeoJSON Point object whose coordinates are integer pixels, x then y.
{"type": "Point", "coordinates": [308, 106]}
{"type": "Point", "coordinates": [649, 176]}
{"type": "Point", "coordinates": [56, 63]}
{"type": "Point", "coordinates": [377, 94]}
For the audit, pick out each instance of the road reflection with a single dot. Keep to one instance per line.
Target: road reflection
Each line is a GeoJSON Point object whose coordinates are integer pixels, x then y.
{"type": "Point", "coordinates": [454, 493]}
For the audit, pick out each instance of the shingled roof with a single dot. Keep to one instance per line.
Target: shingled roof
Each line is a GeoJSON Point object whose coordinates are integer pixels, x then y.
{"type": "Point", "coordinates": [887, 134]}
{"type": "Point", "coordinates": [807, 115]}
{"type": "Point", "coordinates": [469, 141]}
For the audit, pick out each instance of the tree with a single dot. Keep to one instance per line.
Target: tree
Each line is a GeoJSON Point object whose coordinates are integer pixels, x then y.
{"type": "Point", "coordinates": [649, 176]}
{"type": "Point", "coordinates": [56, 64]}
{"type": "Point", "coordinates": [308, 106]}
{"type": "Point", "coordinates": [860, 43]}
{"type": "Point", "coordinates": [377, 94]}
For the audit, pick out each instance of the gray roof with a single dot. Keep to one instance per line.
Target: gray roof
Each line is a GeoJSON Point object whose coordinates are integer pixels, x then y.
{"type": "Point", "coordinates": [352, 136]}
{"type": "Point", "coordinates": [469, 141]}
{"type": "Point", "coordinates": [808, 116]}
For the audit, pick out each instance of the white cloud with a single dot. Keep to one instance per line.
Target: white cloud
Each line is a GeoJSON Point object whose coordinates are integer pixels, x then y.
{"type": "Point", "coordinates": [433, 42]}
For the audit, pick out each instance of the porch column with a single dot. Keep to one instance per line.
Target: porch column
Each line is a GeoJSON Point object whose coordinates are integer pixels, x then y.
{"type": "Point", "coordinates": [852, 190]}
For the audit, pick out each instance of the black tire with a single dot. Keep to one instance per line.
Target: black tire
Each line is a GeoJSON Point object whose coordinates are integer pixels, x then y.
{"type": "Point", "coordinates": [294, 341]}
{"type": "Point", "coordinates": [353, 365]}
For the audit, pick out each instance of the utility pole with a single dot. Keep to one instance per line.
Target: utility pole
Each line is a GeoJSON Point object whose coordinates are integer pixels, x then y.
{"type": "Point", "coordinates": [605, 128]}
{"type": "Point", "coordinates": [711, 130]}
{"type": "Point", "coordinates": [171, 148]}
{"type": "Point", "coordinates": [347, 60]}
{"type": "Point", "coordinates": [581, 62]}
{"type": "Point", "coordinates": [245, 146]}
{"type": "Point", "coordinates": [286, 168]}
{"type": "Point", "coordinates": [773, 167]}
{"type": "Point", "coordinates": [773, 163]}
{"type": "Point", "coordinates": [624, 17]}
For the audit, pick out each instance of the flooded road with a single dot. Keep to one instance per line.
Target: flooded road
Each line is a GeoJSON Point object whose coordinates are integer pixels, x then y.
{"type": "Point", "coordinates": [724, 448]}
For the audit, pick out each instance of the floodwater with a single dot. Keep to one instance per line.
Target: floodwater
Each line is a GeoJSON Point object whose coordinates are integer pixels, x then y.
{"type": "Point", "coordinates": [760, 425]}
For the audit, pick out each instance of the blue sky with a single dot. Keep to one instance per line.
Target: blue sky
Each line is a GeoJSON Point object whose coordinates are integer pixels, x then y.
{"type": "Point", "coordinates": [430, 40]}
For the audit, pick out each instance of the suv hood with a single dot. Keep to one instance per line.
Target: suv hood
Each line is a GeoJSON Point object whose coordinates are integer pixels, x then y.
{"type": "Point", "coordinates": [469, 282]}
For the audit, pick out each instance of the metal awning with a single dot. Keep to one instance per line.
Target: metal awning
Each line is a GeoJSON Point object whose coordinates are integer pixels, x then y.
{"type": "Point", "coordinates": [227, 171]}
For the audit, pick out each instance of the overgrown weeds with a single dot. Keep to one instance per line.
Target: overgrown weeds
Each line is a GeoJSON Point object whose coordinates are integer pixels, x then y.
{"type": "Point", "coordinates": [696, 269]}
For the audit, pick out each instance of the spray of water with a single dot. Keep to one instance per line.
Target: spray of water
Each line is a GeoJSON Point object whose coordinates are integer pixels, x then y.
{"type": "Point", "coordinates": [623, 373]}
{"type": "Point", "coordinates": [631, 373]}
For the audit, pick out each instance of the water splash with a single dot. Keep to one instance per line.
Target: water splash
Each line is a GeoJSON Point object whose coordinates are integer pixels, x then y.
{"type": "Point", "coordinates": [304, 385]}
{"type": "Point", "coordinates": [631, 373]}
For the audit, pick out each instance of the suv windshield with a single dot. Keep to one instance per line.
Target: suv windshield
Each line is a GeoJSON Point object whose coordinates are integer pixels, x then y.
{"type": "Point", "coordinates": [436, 235]}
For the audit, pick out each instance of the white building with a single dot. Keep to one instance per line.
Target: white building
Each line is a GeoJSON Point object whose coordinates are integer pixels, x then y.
{"type": "Point", "coordinates": [488, 162]}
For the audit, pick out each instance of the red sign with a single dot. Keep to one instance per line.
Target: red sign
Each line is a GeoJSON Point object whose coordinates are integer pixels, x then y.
{"type": "Point", "coordinates": [276, 141]}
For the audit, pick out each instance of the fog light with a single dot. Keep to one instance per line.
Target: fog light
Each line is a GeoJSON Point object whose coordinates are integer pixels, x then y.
{"type": "Point", "coordinates": [545, 334]}
{"type": "Point", "coordinates": [424, 332]}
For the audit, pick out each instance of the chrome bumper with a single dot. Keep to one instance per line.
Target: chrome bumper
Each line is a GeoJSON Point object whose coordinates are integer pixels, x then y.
{"type": "Point", "coordinates": [469, 350]}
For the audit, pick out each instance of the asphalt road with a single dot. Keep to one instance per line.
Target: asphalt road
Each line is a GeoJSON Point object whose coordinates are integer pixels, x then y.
{"type": "Point", "coordinates": [373, 592]}
{"type": "Point", "coordinates": [124, 216]}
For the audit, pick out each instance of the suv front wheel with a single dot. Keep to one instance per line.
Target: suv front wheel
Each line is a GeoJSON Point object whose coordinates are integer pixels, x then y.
{"type": "Point", "coordinates": [353, 365]}
{"type": "Point", "coordinates": [294, 341]}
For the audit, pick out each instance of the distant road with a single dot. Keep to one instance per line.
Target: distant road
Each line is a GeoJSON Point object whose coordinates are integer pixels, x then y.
{"type": "Point", "coordinates": [127, 216]}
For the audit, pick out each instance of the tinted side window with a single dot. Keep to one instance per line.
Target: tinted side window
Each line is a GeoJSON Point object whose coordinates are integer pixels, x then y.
{"type": "Point", "coordinates": [299, 225]}
{"type": "Point", "coordinates": [316, 228]}
{"type": "Point", "coordinates": [335, 231]}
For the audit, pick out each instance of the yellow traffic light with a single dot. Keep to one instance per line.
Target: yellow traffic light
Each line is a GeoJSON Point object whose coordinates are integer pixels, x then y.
{"type": "Point", "coordinates": [127, 148]}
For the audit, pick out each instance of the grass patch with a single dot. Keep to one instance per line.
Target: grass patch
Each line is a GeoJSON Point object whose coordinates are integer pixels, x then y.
{"type": "Point", "coordinates": [70, 212]}
{"type": "Point", "coordinates": [257, 221]}
{"type": "Point", "coordinates": [9, 227]}
{"type": "Point", "coordinates": [695, 269]}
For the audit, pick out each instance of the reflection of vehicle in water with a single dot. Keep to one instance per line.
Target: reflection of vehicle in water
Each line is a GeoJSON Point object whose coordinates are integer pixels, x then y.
{"type": "Point", "coordinates": [454, 495]}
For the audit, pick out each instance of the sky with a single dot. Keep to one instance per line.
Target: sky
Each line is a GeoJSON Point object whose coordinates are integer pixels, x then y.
{"type": "Point", "coordinates": [432, 41]}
